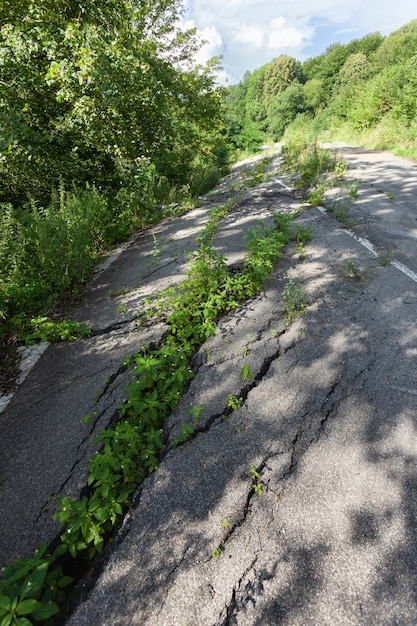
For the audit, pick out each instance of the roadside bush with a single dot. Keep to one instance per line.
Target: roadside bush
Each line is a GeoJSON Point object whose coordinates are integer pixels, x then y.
{"type": "Point", "coordinates": [307, 159]}
{"type": "Point", "coordinates": [46, 252]}
{"type": "Point", "coordinates": [204, 178]}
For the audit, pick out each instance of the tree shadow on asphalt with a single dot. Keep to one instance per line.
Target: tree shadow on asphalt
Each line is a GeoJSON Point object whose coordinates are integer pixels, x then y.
{"type": "Point", "coordinates": [170, 532]}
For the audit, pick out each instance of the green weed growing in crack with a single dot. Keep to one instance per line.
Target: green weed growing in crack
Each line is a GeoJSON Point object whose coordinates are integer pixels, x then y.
{"type": "Point", "coordinates": [42, 328]}
{"type": "Point", "coordinates": [216, 214]}
{"type": "Point", "coordinates": [388, 194]}
{"type": "Point", "coordinates": [315, 196]}
{"type": "Point", "coordinates": [353, 189]}
{"type": "Point", "coordinates": [216, 554]}
{"type": "Point", "coordinates": [256, 483]}
{"type": "Point", "coordinates": [197, 413]}
{"type": "Point", "coordinates": [187, 432]}
{"type": "Point", "coordinates": [258, 176]}
{"type": "Point", "coordinates": [89, 418]}
{"type": "Point", "coordinates": [301, 251]}
{"type": "Point", "coordinates": [351, 270]}
{"type": "Point", "coordinates": [130, 448]}
{"type": "Point", "coordinates": [155, 250]}
{"type": "Point", "coordinates": [97, 396]}
{"type": "Point", "coordinates": [233, 402]}
{"type": "Point", "coordinates": [340, 169]}
{"type": "Point", "coordinates": [32, 589]}
{"type": "Point", "coordinates": [340, 214]}
{"type": "Point", "coordinates": [246, 372]}
{"type": "Point", "coordinates": [114, 293]}
{"type": "Point", "coordinates": [303, 234]}
{"type": "Point", "coordinates": [306, 159]}
{"type": "Point", "coordinates": [294, 300]}
{"type": "Point", "coordinates": [225, 523]}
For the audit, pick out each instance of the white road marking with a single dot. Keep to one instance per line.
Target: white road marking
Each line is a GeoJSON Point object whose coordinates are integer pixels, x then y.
{"type": "Point", "coordinates": [405, 270]}
{"type": "Point", "coordinates": [363, 241]}
{"type": "Point", "coordinates": [370, 247]}
{"type": "Point", "coordinates": [30, 356]}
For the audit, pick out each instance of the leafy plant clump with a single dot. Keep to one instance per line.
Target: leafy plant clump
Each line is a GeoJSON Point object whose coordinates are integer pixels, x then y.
{"type": "Point", "coordinates": [294, 300]}
{"type": "Point", "coordinates": [351, 270]}
{"type": "Point", "coordinates": [105, 118]}
{"type": "Point", "coordinates": [41, 328]}
{"type": "Point", "coordinates": [32, 589]}
{"type": "Point", "coordinates": [233, 402]}
{"type": "Point", "coordinates": [258, 175]}
{"type": "Point", "coordinates": [256, 483]}
{"type": "Point", "coordinates": [308, 161]}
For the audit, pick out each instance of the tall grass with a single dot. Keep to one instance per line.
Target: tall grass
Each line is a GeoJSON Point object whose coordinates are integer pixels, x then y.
{"type": "Point", "coordinates": [46, 252]}
{"type": "Point", "coordinates": [307, 159]}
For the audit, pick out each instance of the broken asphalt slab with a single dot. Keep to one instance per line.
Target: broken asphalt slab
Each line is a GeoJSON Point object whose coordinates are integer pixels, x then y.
{"type": "Point", "coordinates": [328, 422]}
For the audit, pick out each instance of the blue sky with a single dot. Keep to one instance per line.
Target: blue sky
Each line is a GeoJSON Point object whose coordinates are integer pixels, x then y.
{"type": "Point", "coordinates": [250, 33]}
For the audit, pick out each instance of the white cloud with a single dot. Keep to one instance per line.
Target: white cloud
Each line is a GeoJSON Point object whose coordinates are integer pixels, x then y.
{"type": "Point", "coordinates": [213, 45]}
{"type": "Point", "coordinates": [283, 37]}
{"type": "Point", "coordinates": [250, 35]}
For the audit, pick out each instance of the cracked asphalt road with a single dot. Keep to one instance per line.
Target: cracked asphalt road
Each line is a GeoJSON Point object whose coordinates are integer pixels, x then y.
{"type": "Point", "coordinates": [328, 420]}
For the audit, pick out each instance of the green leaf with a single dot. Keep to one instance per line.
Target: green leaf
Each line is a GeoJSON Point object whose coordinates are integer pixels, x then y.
{"type": "Point", "coordinates": [46, 610]}
{"type": "Point", "coordinates": [4, 603]}
{"type": "Point", "coordinates": [65, 581]}
{"type": "Point", "coordinates": [34, 582]}
{"type": "Point", "coordinates": [23, 621]}
{"type": "Point", "coordinates": [102, 514]}
{"type": "Point", "coordinates": [40, 550]}
{"type": "Point", "coordinates": [60, 550]}
{"type": "Point", "coordinates": [7, 620]}
{"type": "Point", "coordinates": [21, 573]}
{"type": "Point", "coordinates": [27, 606]}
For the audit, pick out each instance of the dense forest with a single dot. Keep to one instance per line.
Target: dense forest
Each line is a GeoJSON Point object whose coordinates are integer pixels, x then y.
{"type": "Point", "coordinates": [107, 125]}
{"type": "Point", "coordinates": [364, 91]}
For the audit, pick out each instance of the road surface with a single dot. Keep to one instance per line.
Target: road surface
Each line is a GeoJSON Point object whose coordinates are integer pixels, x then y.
{"type": "Point", "coordinates": [328, 421]}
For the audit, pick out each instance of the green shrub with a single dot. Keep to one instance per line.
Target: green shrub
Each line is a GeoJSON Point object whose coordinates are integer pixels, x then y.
{"type": "Point", "coordinates": [46, 252]}
{"type": "Point", "coordinates": [307, 159]}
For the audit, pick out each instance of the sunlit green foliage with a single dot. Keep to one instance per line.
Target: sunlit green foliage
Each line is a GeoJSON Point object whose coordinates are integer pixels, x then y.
{"type": "Point", "coordinates": [103, 114]}
{"type": "Point", "coordinates": [284, 108]}
{"type": "Point", "coordinates": [366, 88]}
{"type": "Point", "coordinates": [278, 75]}
{"type": "Point", "coordinates": [99, 95]}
